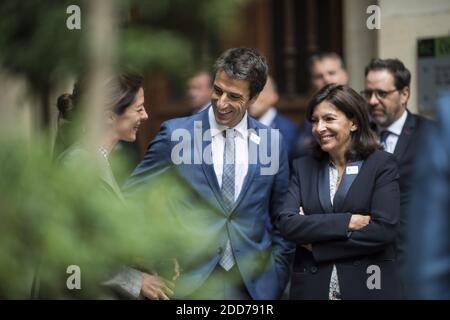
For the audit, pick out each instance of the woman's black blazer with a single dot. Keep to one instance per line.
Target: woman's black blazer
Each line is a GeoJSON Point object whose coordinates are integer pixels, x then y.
{"type": "Point", "coordinates": [365, 259]}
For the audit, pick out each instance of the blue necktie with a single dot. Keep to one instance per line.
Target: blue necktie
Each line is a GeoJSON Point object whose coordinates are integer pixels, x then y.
{"type": "Point", "coordinates": [383, 137]}
{"type": "Point", "coordinates": [228, 185]}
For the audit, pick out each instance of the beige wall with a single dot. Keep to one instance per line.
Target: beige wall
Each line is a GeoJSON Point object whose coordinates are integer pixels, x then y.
{"type": "Point", "coordinates": [19, 113]}
{"type": "Point", "coordinates": [403, 22]}
{"type": "Point", "coordinates": [16, 110]}
{"type": "Point", "coordinates": [359, 42]}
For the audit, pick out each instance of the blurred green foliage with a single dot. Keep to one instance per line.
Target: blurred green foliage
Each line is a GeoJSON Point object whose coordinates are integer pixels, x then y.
{"type": "Point", "coordinates": [35, 43]}
{"type": "Point", "coordinates": [53, 217]}
{"type": "Point", "coordinates": [152, 34]}
{"type": "Point", "coordinates": [164, 35]}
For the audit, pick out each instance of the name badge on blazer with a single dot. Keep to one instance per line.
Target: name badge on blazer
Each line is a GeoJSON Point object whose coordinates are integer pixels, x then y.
{"type": "Point", "coordinates": [352, 170]}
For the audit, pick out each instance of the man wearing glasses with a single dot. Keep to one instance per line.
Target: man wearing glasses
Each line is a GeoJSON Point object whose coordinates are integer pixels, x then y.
{"type": "Point", "coordinates": [387, 92]}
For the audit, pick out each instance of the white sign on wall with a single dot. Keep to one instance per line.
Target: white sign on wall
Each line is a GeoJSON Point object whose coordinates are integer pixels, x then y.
{"type": "Point", "coordinates": [433, 71]}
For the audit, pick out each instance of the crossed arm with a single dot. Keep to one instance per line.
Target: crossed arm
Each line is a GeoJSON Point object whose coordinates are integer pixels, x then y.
{"type": "Point", "coordinates": [344, 235]}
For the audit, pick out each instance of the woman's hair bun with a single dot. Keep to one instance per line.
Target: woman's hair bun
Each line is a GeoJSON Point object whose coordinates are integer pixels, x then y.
{"type": "Point", "coordinates": [65, 105]}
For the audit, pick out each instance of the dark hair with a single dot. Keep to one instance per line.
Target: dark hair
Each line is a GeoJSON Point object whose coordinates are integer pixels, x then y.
{"type": "Point", "coordinates": [244, 64]}
{"type": "Point", "coordinates": [120, 93]}
{"type": "Point", "coordinates": [402, 76]}
{"type": "Point", "coordinates": [319, 56]}
{"type": "Point", "coordinates": [345, 99]}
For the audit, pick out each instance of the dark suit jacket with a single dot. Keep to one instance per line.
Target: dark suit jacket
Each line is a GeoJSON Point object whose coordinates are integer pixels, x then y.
{"type": "Point", "coordinates": [262, 255]}
{"type": "Point", "coordinates": [406, 152]}
{"type": "Point", "coordinates": [305, 141]}
{"type": "Point", "coordinates": [289, 131]}
{"type": "Point", "coordinates": [373, 190]}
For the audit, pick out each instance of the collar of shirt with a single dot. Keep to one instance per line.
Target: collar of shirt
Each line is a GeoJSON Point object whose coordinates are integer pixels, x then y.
{"type": "Point", "coordinates": [241, 127]}
{"type": "Point", "coordinates": [397, 126]}
{"type": "Point", "coordinates": [268, 117]}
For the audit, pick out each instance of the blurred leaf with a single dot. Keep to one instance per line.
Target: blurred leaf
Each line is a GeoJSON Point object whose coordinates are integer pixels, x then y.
{"type": "Point", "coordinates": [54, 217]}
{"type": "Point", "coordinates": [35, 42]}
{"type": "Point", "coordinates": [222, 16]}
{"type": "Point", "coordinates": [146, 49]}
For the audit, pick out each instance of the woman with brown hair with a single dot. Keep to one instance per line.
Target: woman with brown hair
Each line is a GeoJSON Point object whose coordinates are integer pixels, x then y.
{"type": "Point", "coordinates": [121, 117]}
{"type": "Point", "coordinates": [343, 206]}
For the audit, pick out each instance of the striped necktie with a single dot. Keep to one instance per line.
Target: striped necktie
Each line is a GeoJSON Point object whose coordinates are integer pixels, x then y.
{"type": "Point", "coordinates": [228, 185]}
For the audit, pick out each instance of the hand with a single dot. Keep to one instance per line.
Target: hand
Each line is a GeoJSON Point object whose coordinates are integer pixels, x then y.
{"type": "Point", "coordinates": [155, 287]}
{"type": "Point", "coordinates": [176, 269]}
{"type": "Point", "coordinates": [358, 221]}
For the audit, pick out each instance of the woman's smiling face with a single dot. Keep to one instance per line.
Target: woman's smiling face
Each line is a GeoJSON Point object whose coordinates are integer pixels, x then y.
{"type": "Point", "coordinates": [332, 129]}
{"type": "Point", "coordinates": [127, 124]}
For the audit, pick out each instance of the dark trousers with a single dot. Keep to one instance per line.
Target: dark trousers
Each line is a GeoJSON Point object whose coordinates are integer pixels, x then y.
{"type": "Point", "coordinates": [222, 285]}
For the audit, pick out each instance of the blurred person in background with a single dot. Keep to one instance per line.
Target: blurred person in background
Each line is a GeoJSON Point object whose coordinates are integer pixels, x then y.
{"type": "Point", "coordinates": [324, 68]}
{"type": "Point", "coordinates": [198, 91]}
{"type": "Point", "coordinates": [428, 249]}
{"type": "Point", "coordinates": [264, 110]}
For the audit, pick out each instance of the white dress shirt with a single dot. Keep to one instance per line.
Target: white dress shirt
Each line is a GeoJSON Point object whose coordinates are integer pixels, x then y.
{"type": "Point", "coordinates": [395, 131]}
{"type": "Point", "coordinates": [334, 291]}
{"type": "Point", "coordinates": [268, 117]}
{"type": "Point", "coordinates": [241, 150]}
